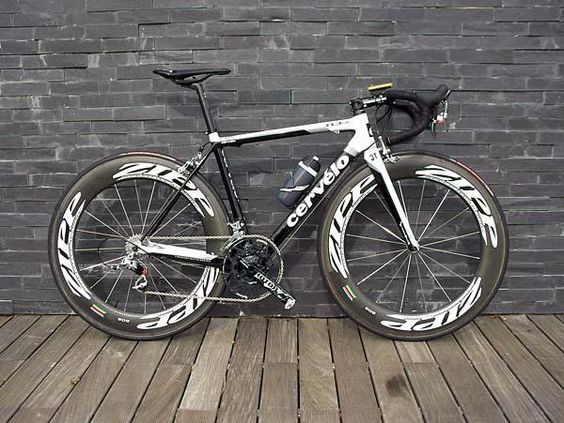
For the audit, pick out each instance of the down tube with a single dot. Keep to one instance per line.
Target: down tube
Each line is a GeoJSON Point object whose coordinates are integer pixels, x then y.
{"type": "Point", "coordinates": [311, 200]}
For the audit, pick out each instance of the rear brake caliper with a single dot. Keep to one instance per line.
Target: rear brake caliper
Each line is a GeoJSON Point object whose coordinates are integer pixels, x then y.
{"type": "Point", "coordinates": [441, 113]}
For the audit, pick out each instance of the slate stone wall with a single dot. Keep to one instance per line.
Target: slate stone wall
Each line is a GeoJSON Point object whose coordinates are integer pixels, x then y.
{"type": "Point", "coordinates": [76, 85]}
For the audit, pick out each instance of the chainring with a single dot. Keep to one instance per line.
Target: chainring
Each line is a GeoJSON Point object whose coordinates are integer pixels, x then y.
{"type": "Point", "coordinates": [257, 253]}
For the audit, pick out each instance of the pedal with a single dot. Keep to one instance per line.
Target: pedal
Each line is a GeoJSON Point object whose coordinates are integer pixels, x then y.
{"type": "Point", "coordinates": [279, 292]}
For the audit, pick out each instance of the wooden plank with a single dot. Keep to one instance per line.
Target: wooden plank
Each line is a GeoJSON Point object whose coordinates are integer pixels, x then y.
{"type": "Point", "coordinates": [393, 390]}
{"type": "Point", "coordinates": [513, 399]}
{"type": "Point", "coordinates": [22, 348]}
{"type": "Point", "coordinates": [42, 404]}
{"type": "Point", "coordinates": [536, 380]}
{"type": "Point", "coordinates": [4, 319]}
{"type": "Point", "coordinates": [354, 387]}
{"type": "Point", "coordinates": [279, 392]}
{"type": "Point", "coordinates": [124, 396]}
{"type": "Point", "coordinates": [14, 392]}
{"type": "Point", "coordinates": [318, 393]}
{"type": "Point", "coordinates": [282, 346]}
{"type": "Point", "coordinates": [87, 395]}
{"type": "Point", "coordinates": [433, 394]}
{"type": "Point", "coordinates": [551, 326]}
{"type": "Point", "coordinates": [470, 392]}
{"type": "Point", "coordinates": [540, 346]}
{"type": "Point", "coordinates": [158, 404]}
{"type": "Point", "coordinates": [240, 399]}
{"type": "Point", "coordinates": [14, 328]}
{"type": "Point", "coordinates": [203, 392]}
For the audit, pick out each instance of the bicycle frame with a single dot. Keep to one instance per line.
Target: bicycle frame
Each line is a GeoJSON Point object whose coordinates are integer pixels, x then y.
{"type": "Point", "coordinates": [362, 142]}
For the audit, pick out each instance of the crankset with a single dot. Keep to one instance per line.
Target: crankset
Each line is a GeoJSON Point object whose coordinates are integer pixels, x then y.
{"type": "Point", "coordinates": [253, 264]}
{"type": "Point", "coordinates": [279, 292]}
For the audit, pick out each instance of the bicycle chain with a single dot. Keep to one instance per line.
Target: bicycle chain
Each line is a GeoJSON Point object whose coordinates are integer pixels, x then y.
{"type": "Point", "coordinates": [212, 298]}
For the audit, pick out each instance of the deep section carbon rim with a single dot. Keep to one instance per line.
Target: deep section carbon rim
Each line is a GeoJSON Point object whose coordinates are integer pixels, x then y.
{"type": "Point", "coordinates": [424, 281]}
{"type": "Point", "coordinates": [103, 236]}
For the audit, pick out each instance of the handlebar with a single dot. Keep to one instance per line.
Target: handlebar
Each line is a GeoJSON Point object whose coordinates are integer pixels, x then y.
{"type": "Point", "coordinates": [420, 107]}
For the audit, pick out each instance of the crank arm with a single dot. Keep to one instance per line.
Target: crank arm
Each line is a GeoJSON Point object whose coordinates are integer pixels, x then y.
{"type": "Point", "coordinates": [274, 288]}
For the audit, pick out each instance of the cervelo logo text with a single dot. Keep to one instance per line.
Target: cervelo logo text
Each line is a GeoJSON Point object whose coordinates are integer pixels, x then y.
{"type": "Point", "coordinates": [160, 171]}
{"type": "Point", "coordinates": [466, 189]}
{"type": "Point", "coordinates": [329, 176]}
{"type": "Point", "coordinates": [347, 205]}
{"type": "Point", "coordinates": [441, 317]}
{"type": "Point", "coordinates": [64, 243]}
{"type": "Point", "coordinates": [184, 309]}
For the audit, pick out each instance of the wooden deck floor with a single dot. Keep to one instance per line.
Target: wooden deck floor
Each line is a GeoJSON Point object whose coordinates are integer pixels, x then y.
{"type": "Point", "coordinates": [56, 368]}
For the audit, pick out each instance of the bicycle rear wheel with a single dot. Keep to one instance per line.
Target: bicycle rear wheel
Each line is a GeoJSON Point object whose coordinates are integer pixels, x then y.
{"type": "Point", "coordinates": [427, 293]}
{"type": "Point", "coordinates": [95, 227]}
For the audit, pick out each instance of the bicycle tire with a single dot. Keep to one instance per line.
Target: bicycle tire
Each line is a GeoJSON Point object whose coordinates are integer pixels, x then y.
{"type": "Point", "coordinates": [82, 192]}
{"type": "Point", "coordinates": [464, 185]}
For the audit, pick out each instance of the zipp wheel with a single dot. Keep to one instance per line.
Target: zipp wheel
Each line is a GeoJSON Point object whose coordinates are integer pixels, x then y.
{"type": "Point", "coordinates": [94, 229]}
{"type": "Point", "coordinates": [414, 295]}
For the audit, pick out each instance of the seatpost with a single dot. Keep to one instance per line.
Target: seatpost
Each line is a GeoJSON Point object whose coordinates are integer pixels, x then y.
{"type": "Point", "coordinates": [205, 107]}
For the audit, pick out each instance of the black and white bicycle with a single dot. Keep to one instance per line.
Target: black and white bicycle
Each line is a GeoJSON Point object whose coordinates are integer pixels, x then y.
{"type": "Point", "coordinates": [412, 245]}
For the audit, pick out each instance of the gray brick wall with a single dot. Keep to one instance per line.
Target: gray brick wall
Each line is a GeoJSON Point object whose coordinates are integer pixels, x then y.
{"type": "Point", "coordinates": [76, 85]}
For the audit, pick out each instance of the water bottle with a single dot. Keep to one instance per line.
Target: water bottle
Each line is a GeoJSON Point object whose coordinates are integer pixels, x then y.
{"type": "Point", "coordinates": [298, 182]}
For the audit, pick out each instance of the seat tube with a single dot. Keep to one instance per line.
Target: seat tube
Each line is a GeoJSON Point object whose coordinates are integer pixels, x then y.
{"type": "Point", "coordinates": [210, 124]}
{"type": "Point", "coordinates": [376, 163]}
{"type": "Point", "coordinates": [230, 189]}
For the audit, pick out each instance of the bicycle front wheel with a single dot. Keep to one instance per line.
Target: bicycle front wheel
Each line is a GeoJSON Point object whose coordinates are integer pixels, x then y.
{"type": "Point", "coordinates": [414, 295]}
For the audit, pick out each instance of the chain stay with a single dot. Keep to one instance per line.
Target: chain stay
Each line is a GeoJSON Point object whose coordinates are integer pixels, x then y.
{"type": "Point", "coordinates": [209, 297]}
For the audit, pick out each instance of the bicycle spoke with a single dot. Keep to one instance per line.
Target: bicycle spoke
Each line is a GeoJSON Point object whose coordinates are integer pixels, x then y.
{"type": "Point", "coordinates": [444, 267]}
{"type": "Point", "coordinates": [111, 214]}
{"type": "Point", "coordinates": [434, 277]}
{"type": "Point", "coordinates": [451, 238]}
{"type": "Point", "coordinates": [113, 287]}
{"type": "Point", "coordinates": [157, 290]}
{"type": "Point", "coordinates": [98, 249]}
{"type": "Point", "coordinates": [123, 207]}
{"type": "Point", "coordinates": [148, 207]}
{"type": "Point", "coordinates": [451, 252]}
{"type": "Point", "coordinates": [164, 277]}
{"type": "Point", "coordinates": [375, 255]}
{"type": "Point", "coordinates": [433, 216]}
{"type": "Point", "coordinates": [170, 220]}
{"type": "Point", "coordinates": [446, 223]}
{"type": "Point", "coordinates": [375, 239]}
{"type": "Point", "coordinates": [420, 203]}
{"type": "Point", "coordinates": [380, 226]}
{"type": "Point", "coordinates": [405, 283]}
{"type": "Point", "coordinates": [381, 267]}
{"type": "Point", "coordinates": [100, 233]}
{"type": "Point", "coordinates": [391, 280]}
{"type": "Point", "coordinates": [103, 263]}
{"type": "Point", "coordinates": [421, 284]}
{"type": "Point", "coordinates": [107, 226]}
{"type": "Point", "coordinates": [99, 280]}
{"type": "Point", "coordinates": [384, 205]}
{"type": "Point", "coordinates": [128, 291]}
{"type": "Point", "coordinates": [176, 270]}
{"type": "Point", "coordinates": [190, 226]}
{"type": "Point", "coordinates": [138, 201]}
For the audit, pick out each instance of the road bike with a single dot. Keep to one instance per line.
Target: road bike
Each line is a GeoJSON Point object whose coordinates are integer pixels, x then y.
{"type": "Point", "coordinates": [412, 245]}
